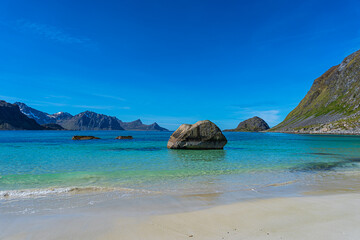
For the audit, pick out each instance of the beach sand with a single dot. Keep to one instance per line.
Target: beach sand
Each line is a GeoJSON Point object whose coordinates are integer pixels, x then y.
{"type": "Point", "coordinates": [309, 217]}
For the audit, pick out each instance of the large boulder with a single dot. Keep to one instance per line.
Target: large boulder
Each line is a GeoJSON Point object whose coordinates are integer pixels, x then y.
{"type": "Point", "coordinates": [254, 124]}
{"type": "Point", "coordinates": [201, 135]}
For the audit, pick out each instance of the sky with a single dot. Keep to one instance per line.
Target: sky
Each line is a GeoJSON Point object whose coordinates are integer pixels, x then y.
{"type": "Point", "coordinates": [171, 62]}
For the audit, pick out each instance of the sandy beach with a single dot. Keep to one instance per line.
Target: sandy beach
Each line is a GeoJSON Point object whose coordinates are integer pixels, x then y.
{"type": "Point", "coordinates": [310, 217]}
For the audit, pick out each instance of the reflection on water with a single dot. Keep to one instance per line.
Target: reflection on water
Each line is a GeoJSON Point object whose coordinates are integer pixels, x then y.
{"type": "Point", "coordinates": [133, 149]}
{"type": "Point", "coordinates": [324, 154]}
{"type": "Point", "coordinates": [328, 166]}
{"type": "Point", "coordinates": [198, 155]}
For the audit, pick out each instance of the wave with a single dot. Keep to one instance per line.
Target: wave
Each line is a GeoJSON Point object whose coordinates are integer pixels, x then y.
{"type": "Point", "coordinates": [42, 192]}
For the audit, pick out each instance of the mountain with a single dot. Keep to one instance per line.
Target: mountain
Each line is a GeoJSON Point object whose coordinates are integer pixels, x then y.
{"type": "Point", "coordinates": [332, 105]}
{"type": "Point", "coordinates": [84, 121]}
{"type": "Point", "coordinates": [60, 116]}
{"type": "Point", "coordinates": [42, 117]}
{"type": "Point", "coordinates": [254, 124]}
{"type": "Point", "coordinates": [91, 121]}
{"type": "Point", "coordinates": [137, 125]}
{"type": "Point", "coordinates": [11, 118]}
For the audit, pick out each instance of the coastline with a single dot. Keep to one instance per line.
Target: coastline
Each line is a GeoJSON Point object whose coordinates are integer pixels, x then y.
{"type": "Point", "coordinates": [317, 133]}
{"type": "Point", "coordinates": [307, 217]}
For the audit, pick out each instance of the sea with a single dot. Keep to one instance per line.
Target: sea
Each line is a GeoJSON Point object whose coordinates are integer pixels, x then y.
{"type": "Point", "coordinates": [47, 171]}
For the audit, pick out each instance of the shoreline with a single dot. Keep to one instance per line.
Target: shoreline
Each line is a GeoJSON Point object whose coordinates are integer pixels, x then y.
{"type": "Point", "coordinates": [316, 133]}
{"type": "Point", "coordinates": [330, 216]}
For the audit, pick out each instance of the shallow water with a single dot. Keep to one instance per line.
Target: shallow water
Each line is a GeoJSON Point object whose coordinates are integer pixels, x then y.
{"type": "Point", "coordinates": [48, 165]}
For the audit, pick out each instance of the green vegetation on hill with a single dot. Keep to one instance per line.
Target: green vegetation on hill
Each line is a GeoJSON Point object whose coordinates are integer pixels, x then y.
{"type": "Point", "coordinates": [333, 96]}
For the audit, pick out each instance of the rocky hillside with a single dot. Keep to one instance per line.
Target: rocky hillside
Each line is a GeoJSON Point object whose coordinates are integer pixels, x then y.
{"type": "Point", "coordinates": [11, 118]}
{"type": "Point", "coordinates": [254, 124]}
{"type": "Point", "coordinates": [42, 117]}
{"type": "Point", "coordinates": [91, 121]}
{"type": "Point", "coordinates": [331, 105]}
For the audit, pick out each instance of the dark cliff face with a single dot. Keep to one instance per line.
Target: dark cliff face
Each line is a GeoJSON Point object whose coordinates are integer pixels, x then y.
{"type": "Point", "coordinates": [42, 117]}
{"type": "Point", "coordinates": [11, 118]}
{"type": "Point", "coordinates": [254, 124]}
{"type": "Point", "coordinates": [333, 100]}
{"type": "Point", "coordinates": [91, 121]}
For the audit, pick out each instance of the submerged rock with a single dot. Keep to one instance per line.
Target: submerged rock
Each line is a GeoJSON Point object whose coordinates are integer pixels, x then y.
{"type": "Point", "coordinates": [84, 138]}
{"type": "Point", "coordinates": [201, 135]}
{"type": "Point", "coordinates": [254, 124]}
{"type": "Point", "coordinates": [124, 137]}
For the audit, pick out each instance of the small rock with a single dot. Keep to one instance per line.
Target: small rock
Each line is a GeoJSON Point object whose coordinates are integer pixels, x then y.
{"type": "Point", "coordinates": [84, 138]}
{"type": "Point", "coordinates": [124, 137]}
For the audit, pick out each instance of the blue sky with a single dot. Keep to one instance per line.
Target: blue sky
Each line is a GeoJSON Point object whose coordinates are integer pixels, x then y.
{"type": "Point", "coordinates": [171, 62]}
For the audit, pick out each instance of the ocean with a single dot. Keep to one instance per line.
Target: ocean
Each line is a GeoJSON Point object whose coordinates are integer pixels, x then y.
{"type": "Point", "coordinates": [47, 171]}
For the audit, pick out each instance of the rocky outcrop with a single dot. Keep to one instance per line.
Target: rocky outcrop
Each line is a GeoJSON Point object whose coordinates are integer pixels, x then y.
{"type": "Point", "coordinates": [42, 117]}
{"type": "Point", "coordinates": [137, 125]}
{"type": "Point", "coordinates": [91, 121]}
{"type": "Point", "coordinates": [124, 137]}
{"type": "Point", "coordinates": [84, 138]}
{"type": "Point", "coordinates": [254, 124]}
{"type": "Point", "coordinates": [201, 135]}
{"type": "Point", "coordinates": [11, 118]}
{"type": "Point", "coordinates": [332, 105]}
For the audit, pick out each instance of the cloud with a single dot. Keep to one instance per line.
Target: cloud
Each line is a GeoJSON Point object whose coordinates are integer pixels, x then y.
{"type": "Point", "coordinates": [57, 96]}
{"type": "Point", "coordinates": [11, 99]}
{"type": "Point", "coordinates": [100, 107]}
{"type": "Point", "coordinates": [109, 96]}
{"type": "Point", "coordinates": [271, 116]}
{"type": "Point", "coordinates": [48, 32]}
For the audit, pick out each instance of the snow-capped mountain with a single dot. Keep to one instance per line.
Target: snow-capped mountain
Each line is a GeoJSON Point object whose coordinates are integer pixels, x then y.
{"type": "Point", "coordinates": [86, 120]}
{"type": "Point", "coordinates": [42, 117]}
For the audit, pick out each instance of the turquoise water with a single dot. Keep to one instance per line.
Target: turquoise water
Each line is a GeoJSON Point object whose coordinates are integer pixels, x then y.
{"type": "Point", "coordinates": [41, 162]}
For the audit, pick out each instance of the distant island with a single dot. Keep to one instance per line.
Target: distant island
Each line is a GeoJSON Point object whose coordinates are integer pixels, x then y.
{"type": "Point", "coordinates": [254, 124]}
{"type": "Point", "coordinates": [19, 116]}
{"type": "Point", "coordinates": [332, 105]}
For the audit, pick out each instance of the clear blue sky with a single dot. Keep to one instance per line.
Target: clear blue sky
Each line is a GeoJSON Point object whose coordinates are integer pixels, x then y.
{"type": "Point", "coordinates": [171, 61]}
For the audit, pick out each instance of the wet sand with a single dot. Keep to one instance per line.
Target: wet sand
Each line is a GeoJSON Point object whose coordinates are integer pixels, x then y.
{"type": "Point", "coordinates": [311, 217]}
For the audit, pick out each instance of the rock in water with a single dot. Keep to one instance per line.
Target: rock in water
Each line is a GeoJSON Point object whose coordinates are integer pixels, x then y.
{"type": "Point", "coordinates": [201, 135]}
{"type": "Point", "coordinates": [254, 124]}
{"type": "Point", "coordinates": [84, 138]}
{"type": "Point", "coordinates": [124, 137]}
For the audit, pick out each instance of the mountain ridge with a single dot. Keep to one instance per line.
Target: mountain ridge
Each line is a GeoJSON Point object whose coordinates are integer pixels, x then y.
{"type": "Point", "coordinates": [332, 105]}
{"type": "Point", "coordinates": [86, 120]}
{"type": "Point", "coordinates": [11, 118]}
